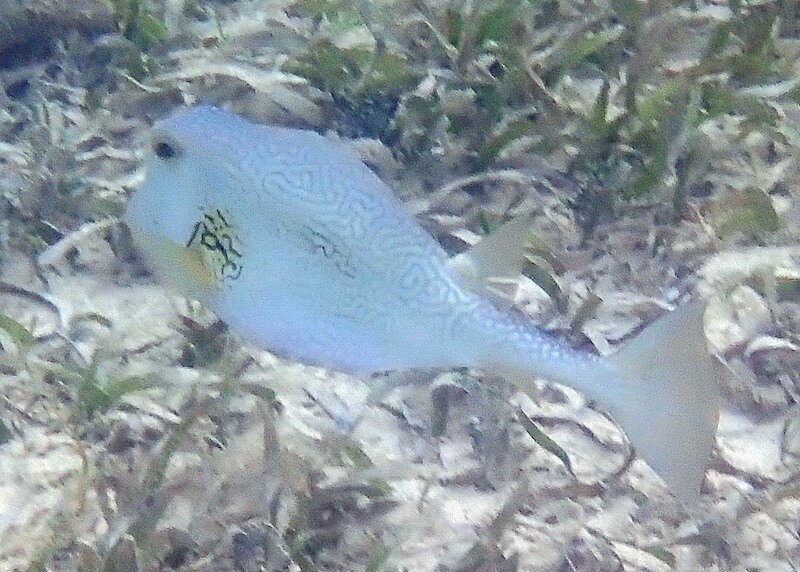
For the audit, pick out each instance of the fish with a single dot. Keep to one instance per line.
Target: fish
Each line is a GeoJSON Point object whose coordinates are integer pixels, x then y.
{"type": "Point", "coordinates": [295, 243]}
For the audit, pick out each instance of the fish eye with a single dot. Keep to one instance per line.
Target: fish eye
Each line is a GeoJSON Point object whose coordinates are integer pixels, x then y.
{"type": "Point", "coordinates": [165, 149]}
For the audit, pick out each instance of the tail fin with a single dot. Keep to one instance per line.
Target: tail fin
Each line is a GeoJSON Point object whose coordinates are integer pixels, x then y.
{"type": "Point", "coordinates": [670, 413]}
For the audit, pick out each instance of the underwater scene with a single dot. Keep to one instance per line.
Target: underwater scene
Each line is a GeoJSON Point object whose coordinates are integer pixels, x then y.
{"type": "Point", "coordinates": [399, 285]}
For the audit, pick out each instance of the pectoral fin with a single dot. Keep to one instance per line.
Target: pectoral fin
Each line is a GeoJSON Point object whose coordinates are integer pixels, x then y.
{"type": "Point", "coordinates": [184, 268]}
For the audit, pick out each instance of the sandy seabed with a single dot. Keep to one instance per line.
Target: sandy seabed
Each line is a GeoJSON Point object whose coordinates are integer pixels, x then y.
{"type": "Point", "coordinates": [141, 435]}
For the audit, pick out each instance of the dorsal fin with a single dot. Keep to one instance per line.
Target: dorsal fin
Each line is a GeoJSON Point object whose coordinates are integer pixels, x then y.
{"type": "Point", "coordinates": [499, 256]}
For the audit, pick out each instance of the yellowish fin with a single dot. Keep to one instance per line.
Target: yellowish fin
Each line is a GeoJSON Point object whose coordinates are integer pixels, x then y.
{"type": "Point", "coordinates": [500, 255]}
{"type": "Point", "coordinates": [670, 414]}
{"type": "Point", "coordinates": [661, 388]}
{"type": "Point", "coordinates": [185, 269]}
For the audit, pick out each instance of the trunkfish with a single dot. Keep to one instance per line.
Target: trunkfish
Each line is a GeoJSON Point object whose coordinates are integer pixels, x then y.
{"type": "Point", "coordinates": [290, 239]}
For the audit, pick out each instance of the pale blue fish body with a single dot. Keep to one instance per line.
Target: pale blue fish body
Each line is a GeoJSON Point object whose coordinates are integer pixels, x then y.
{"type": "Point", "coordinates": [294, 242]}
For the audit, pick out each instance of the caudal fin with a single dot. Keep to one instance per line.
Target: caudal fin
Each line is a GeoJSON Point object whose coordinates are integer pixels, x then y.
{"type": "Point", "coordinates": [671, 410]}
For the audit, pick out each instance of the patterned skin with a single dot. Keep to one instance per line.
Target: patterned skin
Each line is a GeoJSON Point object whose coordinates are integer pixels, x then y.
{"type": "Point", "coordinates": [294, 242]}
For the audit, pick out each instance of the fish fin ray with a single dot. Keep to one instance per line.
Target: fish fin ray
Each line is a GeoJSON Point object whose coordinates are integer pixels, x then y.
{"type": "Point", "coordinates": [669, 408]}
{"type": "Point", "coordinates": [498, 256]}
